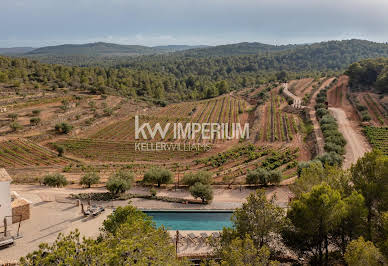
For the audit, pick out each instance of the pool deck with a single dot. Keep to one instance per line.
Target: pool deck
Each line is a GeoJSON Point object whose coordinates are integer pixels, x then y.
{"type": "Point", "coordinates": [48, 219]}
{"type": "Point", "coordinates": [192, 247]}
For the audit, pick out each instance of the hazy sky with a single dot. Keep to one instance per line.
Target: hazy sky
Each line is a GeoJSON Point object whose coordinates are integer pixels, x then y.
{"type": "Point", "coordinates": [159, 22]}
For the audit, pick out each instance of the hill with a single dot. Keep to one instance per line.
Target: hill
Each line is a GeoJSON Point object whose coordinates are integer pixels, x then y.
{"type": "Point", "coordinates": [104, 49]}
{"type": "Point", "coordinates": [369, 74]}
{"type": "Point", "coordinates": [15, 50]}
{"type": "Point", "coordinates": [332, 56]}
{"type": "Point", "coordinates": [243, 48]}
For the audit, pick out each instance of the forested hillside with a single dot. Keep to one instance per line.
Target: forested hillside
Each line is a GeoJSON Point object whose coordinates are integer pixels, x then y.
{"type": "Point", "coordinates": [104, 49]}
{"type": "Point", "coordinates": [180, 76]}
{"type": "Point", "coordinates": [159, 86]}
{"type": "Point", "coordinates": [369, 74]}
{"type": "Point", "coordinates": [325, 56]}
{"type": "Point", "coordinates": [243, 48]}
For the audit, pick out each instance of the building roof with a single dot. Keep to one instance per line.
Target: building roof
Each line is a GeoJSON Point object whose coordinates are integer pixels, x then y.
{"type": "Point", "coordinates": [19, 202]}
{"type": "Point", "coordinates": [4, 176]}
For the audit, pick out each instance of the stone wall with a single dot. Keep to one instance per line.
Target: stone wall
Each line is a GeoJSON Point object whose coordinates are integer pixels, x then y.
{"type": "Point", "coordinates": [20, 208]}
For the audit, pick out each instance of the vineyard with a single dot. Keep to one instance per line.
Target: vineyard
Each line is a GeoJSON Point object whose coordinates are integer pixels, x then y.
{"type": "Point", "coordinates": [234, 163]}
{"type": "Point", "coordinates": [225, 109]}
{"type": "Point", "coordinates": [22, 153]}
{"type": "Point", "coordinates": [278, 125]}
{"type": "Point", "coordinates": [124, 151]}
{"type": "Point", "coordinates": [378, 137]}
{"type": "Point", "coordinates": [301, 86]}
{"type": "Point", "coordinates": [377, 112]}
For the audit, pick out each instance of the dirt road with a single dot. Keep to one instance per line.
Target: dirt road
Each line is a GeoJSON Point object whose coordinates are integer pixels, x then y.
{"type": "Point", "coordinates": [356, 144]}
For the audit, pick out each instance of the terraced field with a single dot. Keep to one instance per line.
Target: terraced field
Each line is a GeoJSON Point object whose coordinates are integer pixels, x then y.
{"type": "Point", "coordinates": [236, 162]}
{"type": "Point", "coordinates": [377, 112]}
{"type": "Point", "coordinates": [278, 125]}
{"type": "Point", "coordinates": [377, 137]}
{"type": "Point", "coordinates": [18, 153]}
{"type": "Point", "coordinates": [124, 151]}
{"type": "Point", "coordinates": [225, 109]}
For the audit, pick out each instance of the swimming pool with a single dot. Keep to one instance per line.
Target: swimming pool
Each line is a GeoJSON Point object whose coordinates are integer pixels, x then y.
{"type": "Point", "coordinates": [211, 220]}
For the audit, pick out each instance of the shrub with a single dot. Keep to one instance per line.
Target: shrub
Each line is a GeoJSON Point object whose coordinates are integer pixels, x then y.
{"type": "Point", "coordinates": [260, 176]}
{"type": "Point", "coordinates": [153, 192]}
{"type": "Point", "coordinates": [13, 116]}
{"type": "Point", "coordinates": [365, 116]}
{"type": "Point", "coordinates": [35, 121]}
{"type": "Point", "coordinates": [108, 111]}
{"type": "Point", "coordinates": [36, 112]}
{"type": "Point", "coordinates": [60, 149]}
{"type": "Point", "coordinates": [331, 158]}
{"type": "Point", "coordinates": [55, 180]}
{"type": "Point", "coordinates": [201, 177]}
{"type": "Point", "coordinates": [157, 176]}
{"type": "Point", "coordinates": [322, 112]}
{"type": "Point", "coordinates": [275, 177]}
{"type": "Point", "coordinates": [90, 179]}
{"type": "Point", "coordinates": [303, 165]}
{"type": "Point", "coordinates": [202, 191]}
{"type": "Point", "coordinates": [120, 182]}
{"type": "Point", "coordinates": [15, 126]}
{"type": "Point", "coordinates": [63, 128]}
{"type": "Point", "coordinates": [332, 147]}
{"type": "Point", "coordinates": [361, 252]}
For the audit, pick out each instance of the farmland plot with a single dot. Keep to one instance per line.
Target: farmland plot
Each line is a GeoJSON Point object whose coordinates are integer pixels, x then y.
{"type": "Point", "coordinates": [225, 109]}
{"type": "Point", "coordinates": [377, 137]}
{"type": "Point", "coordinates": [23, 153]}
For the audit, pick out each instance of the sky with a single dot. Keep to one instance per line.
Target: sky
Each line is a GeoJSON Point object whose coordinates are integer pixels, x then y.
{"type": "Point", "coordinates": [39, 23]}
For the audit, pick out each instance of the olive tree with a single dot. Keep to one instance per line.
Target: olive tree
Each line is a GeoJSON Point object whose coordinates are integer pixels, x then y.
{"type": "Point", "coordinates": [157, 176]}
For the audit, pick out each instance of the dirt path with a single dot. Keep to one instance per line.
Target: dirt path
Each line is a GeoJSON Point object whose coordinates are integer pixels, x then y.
{"type": "Point", "coordinates": [356, 144]}
{"type": "Point", "coordinates": [297, 101]}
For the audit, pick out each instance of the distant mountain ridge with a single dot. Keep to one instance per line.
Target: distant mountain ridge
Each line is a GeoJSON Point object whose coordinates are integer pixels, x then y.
{"type": "Point", "coordinates": [243, 48]}
{"type": "Point", "coordinates": [16, 50]}
{"type": "Point", "coordinates": [106, 49]}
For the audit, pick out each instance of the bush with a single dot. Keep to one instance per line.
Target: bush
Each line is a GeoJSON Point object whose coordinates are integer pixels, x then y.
{"type": "Point", "coordinates": [63, 128]}
{"type": "Point", "coordinates": [365, 116]}
{"type": "Point", "coordinates": [157, 176]}
{"type": "Point", "coordinates": [153, 192]}
{"type": "Point", "coordinates": [260, 176]}
{"type": "Point", "coordinates": [303, 165]}
{"type": "Point", "coordinates": [322, 112]}
{"type": "Point", "coordinates": [60, 149]}
{"type": "Point", "coordinates": [201, 177]}
{"type": "Point", "coordinates": [327, 119]}
{"type": "Point", "coordinates": [90, 179]}
{"type": "Point", "coordinates": [36, 112]}
{"type": "Point", "coordinates": [15, 126]}
{"type": "Point", "coordinates": [275, 177]}
{"type": "Point", "coordinates": [13, 116]}
{"type": "Point", "coordinates": [120, 182]}
{"type": "Point", "coordinates": [331, 158]}
{"type": "Point", "coordinates": [108, 111]}
{"type": "Point", "coordinates": [339, 140]}
{"type": "Point", "coordinates": [332, 147]}
{"type": "Point", "coordinates": [204, 192]}
{"type": "Point", "coordinates": [55, 180]}
{"type": "Point", "coordinates": [361, 252]}
{"type": "Point", "coordinates": [35, 121]}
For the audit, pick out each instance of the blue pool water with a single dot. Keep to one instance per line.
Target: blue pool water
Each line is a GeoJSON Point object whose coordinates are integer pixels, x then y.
{"type": "Point", "coordinates": [191, 219]}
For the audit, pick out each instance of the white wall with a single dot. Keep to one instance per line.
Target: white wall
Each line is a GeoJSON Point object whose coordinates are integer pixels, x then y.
{"type": "Point", "coordinates": [5, 202]}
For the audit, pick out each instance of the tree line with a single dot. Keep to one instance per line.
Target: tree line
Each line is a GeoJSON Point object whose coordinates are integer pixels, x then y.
{"type": "Point", "coordinates": [369, 74]}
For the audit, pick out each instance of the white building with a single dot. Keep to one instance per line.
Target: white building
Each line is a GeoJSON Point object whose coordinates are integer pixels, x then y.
{"type": "Point", "coordinates": [5, 196]}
